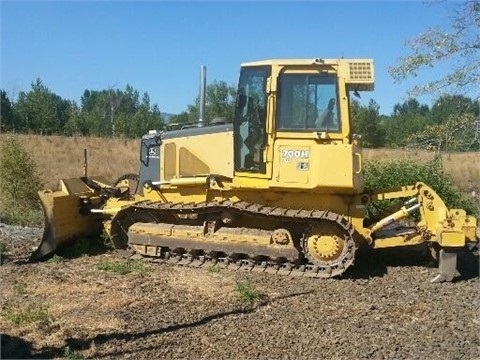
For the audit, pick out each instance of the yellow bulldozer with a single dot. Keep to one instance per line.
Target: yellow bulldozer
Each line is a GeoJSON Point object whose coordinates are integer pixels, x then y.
{"type": "Point", "coordinates": [278, 190]}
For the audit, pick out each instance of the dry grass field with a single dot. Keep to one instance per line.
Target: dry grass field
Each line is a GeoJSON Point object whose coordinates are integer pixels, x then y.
{"type": "Point", "coordinates": [62, 157]}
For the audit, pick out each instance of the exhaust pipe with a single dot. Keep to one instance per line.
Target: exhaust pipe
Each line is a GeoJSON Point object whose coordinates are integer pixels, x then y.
{"type": "Point", "coordinates": [202, 96]}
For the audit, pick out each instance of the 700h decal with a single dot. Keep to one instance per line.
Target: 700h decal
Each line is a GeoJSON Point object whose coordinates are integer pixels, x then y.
{"type": "Point", "coordinates": [288, 154]}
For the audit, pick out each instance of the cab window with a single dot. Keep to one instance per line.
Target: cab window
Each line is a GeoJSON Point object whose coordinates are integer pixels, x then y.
{"type": "Point", "coordinates": [250, 120]}
{"type": "Point", "coordinates": [308, 103]}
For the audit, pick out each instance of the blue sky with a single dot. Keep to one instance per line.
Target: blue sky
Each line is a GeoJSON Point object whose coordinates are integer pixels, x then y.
{"type": "Point", "coordinates": [158, 46]}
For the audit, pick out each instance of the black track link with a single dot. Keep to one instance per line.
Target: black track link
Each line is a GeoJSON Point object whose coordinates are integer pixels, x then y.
{"type": "Point", "coordinates": [252, 209]}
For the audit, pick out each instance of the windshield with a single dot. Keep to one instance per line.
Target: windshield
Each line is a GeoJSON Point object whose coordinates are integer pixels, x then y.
{"type": "Point", "coordinates": [307, 102]}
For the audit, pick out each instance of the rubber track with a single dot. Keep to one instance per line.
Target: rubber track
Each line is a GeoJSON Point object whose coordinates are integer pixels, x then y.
{"type": "Point", "coordinates": [255, 210]}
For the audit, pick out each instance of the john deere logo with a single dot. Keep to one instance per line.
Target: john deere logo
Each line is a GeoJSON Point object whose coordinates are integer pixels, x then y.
{"type": "Point", "coordinates": [152, 153]}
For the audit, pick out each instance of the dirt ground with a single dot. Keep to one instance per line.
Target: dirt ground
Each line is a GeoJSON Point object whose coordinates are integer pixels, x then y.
{"type": "Point", "coordinates": [383, 308]}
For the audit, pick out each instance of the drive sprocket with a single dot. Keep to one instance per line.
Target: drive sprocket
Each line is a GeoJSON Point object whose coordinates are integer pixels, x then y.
{"type": "Point", "coordinates": [329, 245]}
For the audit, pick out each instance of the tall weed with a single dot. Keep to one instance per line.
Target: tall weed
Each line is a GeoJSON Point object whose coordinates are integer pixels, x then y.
{"type": "Point", "coordinates": [247, 292]}
{"type": "Point", "coordinates": [19, 184]}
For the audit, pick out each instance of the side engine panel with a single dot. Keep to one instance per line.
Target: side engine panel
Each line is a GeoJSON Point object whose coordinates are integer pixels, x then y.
{"type": "Point", "coordinates": [185, 153]}
{"type": "Point", "coordinates": [197, 151]}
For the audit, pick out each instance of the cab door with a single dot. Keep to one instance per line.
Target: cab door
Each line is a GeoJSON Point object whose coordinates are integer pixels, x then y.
{"type": "Point", "coordinates": [307, 128]}
{"type": "Point", "coordinates": [250, 124]}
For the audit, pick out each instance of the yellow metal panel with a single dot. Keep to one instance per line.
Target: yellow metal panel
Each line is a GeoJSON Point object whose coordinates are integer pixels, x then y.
{"type": "Point", "coordinates": [153, 229]}
{"type": "Point", "coordinates": [250, 181]}
{"type": "Point", "coordinates": [335, 166]}
{"type": "Point", "coordinates": [187, 231]}
{"type": "Point", "coordinates": [190, 164]}
{"type": "Point", "coordinates": [294, 164]}
{"type": "Point", "coordinates": [452, 239]}
{"type": "Point", "coordinates": [246, 236]}
{"type": "Point", "coordinates": [308, 164]}
{"type": "Point", "coordinates": [169, 161]}
{"type": "Point", "coordinates": [395, 241]}
{"type": "Point", "coordinates": [73, 186]}
{"type": "Point", "coordinates": [63, 222]}
{"type": "Point", "coordinates": [176, 194]}
{"type": "Point", "coordinates": [198, 155]}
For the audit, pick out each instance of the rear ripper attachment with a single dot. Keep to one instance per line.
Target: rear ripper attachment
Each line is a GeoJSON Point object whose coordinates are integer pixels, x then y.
{"type": "Point", "coordinates": [446, 231]}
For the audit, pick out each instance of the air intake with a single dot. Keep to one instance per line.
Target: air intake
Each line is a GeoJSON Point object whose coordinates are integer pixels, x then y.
{"type": "Point", "coordinates": [361, 71]}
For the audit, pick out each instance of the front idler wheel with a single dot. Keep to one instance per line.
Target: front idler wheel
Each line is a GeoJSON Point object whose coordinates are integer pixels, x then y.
{"type": "Point", "coordinates": [127, 183]}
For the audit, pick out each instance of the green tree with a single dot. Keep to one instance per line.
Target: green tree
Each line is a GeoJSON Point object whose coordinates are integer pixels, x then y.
{"type": "Point", "coordinates": [408, 118]}
{"type": "Point", "coordinates": [40, 110]}
{"type": "Point", "coordinates": [410, 107]}
{"type": "Point", "coordinates": [366, 121]}
{"type": "Point", "coordinates": [119, 113]}
{"type": "Point", "coordinates": [219, 102]}
{"type": "Point", "coordinates": [95, 112]}
{"type": "Point", "coordinates": [77, 124]}
{"type": "Point", "coordinates": [448, 105]}
{"type": "Point", "coordinates": [146, 118]}
{"type": "Point", "coordinates": [7, 117]}
{"type": "Point", "coordinates": [182, 118]}
{"type": "Point", "coordinates": [459, 44]}
{"type": "Point", "coordinates": [458, 133]}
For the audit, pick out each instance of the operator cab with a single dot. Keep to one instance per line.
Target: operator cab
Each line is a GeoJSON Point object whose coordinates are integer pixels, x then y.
{"type": "Point", "coordinates": [305, 103]}
{"type": "Point", "coordinates": [292, 121]}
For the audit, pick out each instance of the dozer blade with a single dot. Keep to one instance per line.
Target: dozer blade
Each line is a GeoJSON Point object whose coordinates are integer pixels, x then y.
{"type": "Point", "coordinates": [67, 217]}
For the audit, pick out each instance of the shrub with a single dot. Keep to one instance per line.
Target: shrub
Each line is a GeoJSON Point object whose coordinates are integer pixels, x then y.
{"type": "Point", "coordinates": [19, 185]}
{"type": "Point", "coordinates": [395, 173]}
{"type": "Point", "coordinates": [246, 291]}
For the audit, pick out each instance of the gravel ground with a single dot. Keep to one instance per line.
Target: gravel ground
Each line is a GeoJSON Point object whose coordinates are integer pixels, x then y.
{"type": "Point", "coordinates": [384, 308]}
